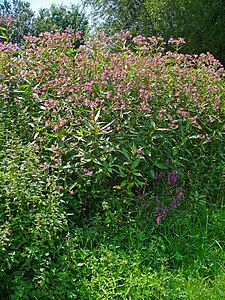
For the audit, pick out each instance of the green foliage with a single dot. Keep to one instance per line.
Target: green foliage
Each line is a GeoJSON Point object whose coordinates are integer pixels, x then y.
{"type": "Point", "coordinates": [200, 22]}
{"type": "Point", "coordinates": [102, 140]}
{"type": "Point", "coordinates": [97, 145]}
{"type": "Point", "coordinates": [16, 18]}
{"type": "Point", "coordinates": [112, 16]}
{"type": "Point", "coordinates": [60, 18]}
{"type": "Point", "coordinates": [33, 221]}
{"type": "Point", "coordinates": [175, 261]}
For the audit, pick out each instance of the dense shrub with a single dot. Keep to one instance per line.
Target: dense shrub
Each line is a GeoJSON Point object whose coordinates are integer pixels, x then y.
{"type": "Point", "coordinates": [116, 128]}
{"type": "Point", "coordinates": [110, 122]}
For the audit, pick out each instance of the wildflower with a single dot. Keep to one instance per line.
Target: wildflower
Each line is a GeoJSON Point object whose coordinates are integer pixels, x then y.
{"type": "Point", "coordinates": [143, 191]}
{"type": "Point", "coordinates": [62, 122]}
{"type": "Point", "coordinates": [78, 35]}
{"type": "Point", "coordinates": [164, 210]}
{"type": "Point", "coordinates": [172, 177]}
{"type": "Point", "coordinates": [174, 204]}
{"type": "Point", "coordinates": [158, 220]}
{"type": "Point", "coordinates": [180, 194]}
{"type": "Point", "coordinates": [88, 86]}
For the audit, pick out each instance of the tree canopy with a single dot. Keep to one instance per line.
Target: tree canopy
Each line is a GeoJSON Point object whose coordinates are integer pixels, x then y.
{"type": "Point", "coordinates": [60, 17]}
{"type": "Point", "coordinates": [17, 19]}
{"type": "Point", "coordinates": [200, 22]}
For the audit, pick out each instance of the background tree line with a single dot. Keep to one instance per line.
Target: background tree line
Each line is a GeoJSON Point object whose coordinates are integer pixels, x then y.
{"type": "Point", "coordinates": [200, 22]}
{"type": "Point", "coordinates": [18, 19]}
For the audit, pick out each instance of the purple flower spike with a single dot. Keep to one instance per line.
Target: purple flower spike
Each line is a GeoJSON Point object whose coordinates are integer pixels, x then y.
{"type": "Point", "coordinates": [180, 194]}
{"type": "Point", "coordinates": [158, 220]}
{"type": "Point", "coordinates": [174, 204]}
{"type": "Point", "coordinates": [164, 210]}
{"type": "Point", "coordinates": [172, 177]}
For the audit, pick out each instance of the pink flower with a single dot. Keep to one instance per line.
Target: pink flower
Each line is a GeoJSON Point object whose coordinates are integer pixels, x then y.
{"type": "Point", "coordinates": [158, 220]}
{"type": "Point", "coordinates": [62, 122]}
{"type": "Point", "coordinates": [88, 86]}
{"type": "Point", "coordinates": [78, 35]}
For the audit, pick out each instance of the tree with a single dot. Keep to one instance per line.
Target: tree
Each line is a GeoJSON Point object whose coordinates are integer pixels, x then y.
{"type": "Point", "coordinates": [115, 15]}
{"type": "Point", "coordinates": [15, 19]}
{"type": "Point", "coordinates": [60, 17]}
{"type": "Point", "coordinates": [200, 22]}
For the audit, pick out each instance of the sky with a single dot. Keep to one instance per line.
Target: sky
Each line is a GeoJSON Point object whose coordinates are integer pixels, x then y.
{"type": "Point", "coordinates": [37, 4]}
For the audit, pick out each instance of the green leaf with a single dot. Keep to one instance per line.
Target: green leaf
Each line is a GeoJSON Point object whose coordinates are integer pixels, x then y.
{"type": "Point", "coordinates": [152, 174]}
{"type": "Point", "coordinates": [160, 166]}
{"type": "Point", "coordinates": [124, 183]}
{"type": "Point", "coordinates": [4, 36]}
{"type": "Point", "coordinates": [125, 153]}
{"type": "Point", "coordinates": [107, 125]}
{"type": "Point", "coordinates": [137, 174]}
{"type": "Point", "coordinates": [162, 129]}
{"type": "Point", "coordinates": [97, 115]}
{"type": "Point", "coordinates": [182, 130]}
{"type": "Point", "coordinates": [135, 163]}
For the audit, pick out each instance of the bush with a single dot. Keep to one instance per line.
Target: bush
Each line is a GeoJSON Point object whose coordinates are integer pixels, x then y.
{"type": "Point", "coordinates": [116, 128]}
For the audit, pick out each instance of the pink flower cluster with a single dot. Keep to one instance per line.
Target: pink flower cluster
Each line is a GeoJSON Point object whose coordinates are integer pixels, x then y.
{"type": "Point", "coordinates": [128, 81]}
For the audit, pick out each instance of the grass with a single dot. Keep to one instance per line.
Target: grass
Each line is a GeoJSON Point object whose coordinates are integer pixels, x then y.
{"type": "Point", "coordinates": [183, 259]}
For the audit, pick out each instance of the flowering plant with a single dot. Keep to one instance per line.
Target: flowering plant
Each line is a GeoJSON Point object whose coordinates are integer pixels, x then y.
{"type": "Point", "coordinates": [105, 118]}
